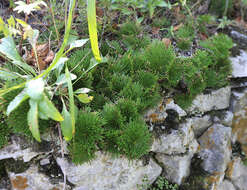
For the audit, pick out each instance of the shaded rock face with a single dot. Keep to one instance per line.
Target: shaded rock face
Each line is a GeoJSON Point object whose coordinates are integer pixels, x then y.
{"type": "Point", "coordinates": [106, 173]}
{"type": "Point", "coordinates": [201, 124]}
{"type": "Point", "coordinates": [215, 148]}
{"type": "Point", "coordinates": [239, 129]}
{"type": "Point", "coordinates": [176, 142]}
{"type": "Point", "coordinates": [177, 167]}
{"type": "Point", "coordinates": [31, 179]}
{"type": "Point", "coordinates": [216, 100]}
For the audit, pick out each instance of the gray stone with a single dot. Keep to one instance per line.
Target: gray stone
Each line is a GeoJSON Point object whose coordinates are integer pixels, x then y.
{"type": "Point", "coordinates": [226, 185]}
{"type": "Point", "coordinates": [177, 167]}
{"type": "Point", "coordinates": [227, 118]}
{"type": "Point", "coordinates": [15, 151]}
{"type": "Point", "coordinates": [216, 100]}
{"type": "Point", "coordinates": [240, 38]}
{"type": "Point", "coordinates": [176, 142]}
{"type": "Point", "coordinates": [215, 148]}
{"type": "Point", "coordinates": [201, 124]}
{"type": "Point", "coordinates": [239, 101]}
{"type": "Point", "coordinates": [237, 173]}
{"type": "Point", "coordinates": [106, 173]}
{"type": "Point", "coordinates": [158, 114]}
{"type": "Point", "coordinates": [239, 65]}
{"type": "Point", "coordinates": [31, 179]}
{"type": "Point", "coordinates": [44, 161]}
{"type": "Point", "coordinates": [171, 105]}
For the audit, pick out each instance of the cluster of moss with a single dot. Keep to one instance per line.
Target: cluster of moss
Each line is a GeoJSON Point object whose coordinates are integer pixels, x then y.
{"type": "Point", "coordinates": [129, 83]}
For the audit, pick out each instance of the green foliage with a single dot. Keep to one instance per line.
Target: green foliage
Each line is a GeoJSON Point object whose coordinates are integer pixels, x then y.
{"type": "Point", "coordinates": [160, 184]}
{"type": "Point", "coordinates": [184, 36]}
{"type": "Point", "coordinates": [78, 63]}
{"type": "Point", "coordinates": [88, 134]}
{"type": "Point", "coordinates": [161, 22]}
{"type": "Point", "coordinates": [130, 28]}
{"type": "Point", "coordinates": [4, 131]}
{"type": "Point", "coordinates": [203, 21]}
{"type": "Point", "coordinates": [221, 7]}
{"type": "Point", "coordinates": [135, 139]}
{"type": "Point", "coordinates": [147, 79]}
{"type": "Point", "coordinates": [159, 57]}
{"type": "Point", "coordinates": [128, 109]}
{"type": "Point", "coordinates": [218, 48]}
{"type": "Point", "coordinates": [118, 82]}
{"type": "Point", "coordinates": [112, 116]}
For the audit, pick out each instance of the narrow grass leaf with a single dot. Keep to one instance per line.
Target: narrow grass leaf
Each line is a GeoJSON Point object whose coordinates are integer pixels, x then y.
{"type": "Point", "coordinates": [71, 99]}
{"type": "Point", "coordinates": [92, 26]}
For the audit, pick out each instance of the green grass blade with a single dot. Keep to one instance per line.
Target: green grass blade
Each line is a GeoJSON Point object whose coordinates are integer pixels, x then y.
{"type": "Point", "coordinates": [71, 99]}
{"type": "Point", "coordinates": [92, 26]}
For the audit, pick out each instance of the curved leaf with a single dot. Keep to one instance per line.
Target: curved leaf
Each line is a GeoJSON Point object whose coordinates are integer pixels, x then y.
{"type": "Point", "coordinates": [8, 48]}
{"type": "Point", "coordinates": [46, 107]}
{"type": "Point", "coordinates": [66, 124]}
{"type": "Point", "coordinates": [21, 97]}
{"type": "Point", "coordinates": [32, 119]}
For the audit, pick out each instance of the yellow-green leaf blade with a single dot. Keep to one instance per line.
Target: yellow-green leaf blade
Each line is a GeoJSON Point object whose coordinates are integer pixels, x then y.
{"type": "Point", "coordinates": [32, 118]}
{"type": "Point", "coordinates": [92, 26]}
{"type": "Point", "coordinates": [66, 124]}
{"type": "Point", "coordinates": [46, 106]}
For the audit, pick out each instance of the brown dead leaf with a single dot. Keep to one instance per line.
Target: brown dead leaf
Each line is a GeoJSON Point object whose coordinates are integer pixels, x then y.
{"type": "Point", "coordinates": [44, 54]}
{"type": "Point", "coordinates": [175, 28]}
{"type": "Point", "coordinates": [167, 42]}
{"type": "Point", "coordinates": [203, 36]}
{"type": "Point", "coordinates": [155, 30]}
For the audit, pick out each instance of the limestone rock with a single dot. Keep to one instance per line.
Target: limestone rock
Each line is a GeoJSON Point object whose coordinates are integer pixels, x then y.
{"type": "Point", "coordinates": [176, 142]}
{"type": "Point", "coordinates": [216, 100]}
{"type": "Point", "coordinates": [31, 179]}
{"type": "Point", "coordinates": [237, 173]}
{"type": "Point", "coordinates": [106, 173]}
{"type": "Point", "coordinates": [177, 167]}
{"type": "Point", "coordinates": [215, 148]}
{"type": "Point", "coordinates": [158, 114]}
{"type": "Point", "coordinates": [239, 65]}
{"type": "Point", "coordinates": [239, 129]}
{"type": "Point", "coordinates": [226, 185]}
{"type": "Point", "coordinates": [227, 118]}
{"type": "Point", "coordinates": [169, 104]}
{"type": "Point", "coordinates": [239, 100]}
{"type": "Point", "coordinates": [15, 150]}
{"type": "Point", "coordinates": [201, 124]}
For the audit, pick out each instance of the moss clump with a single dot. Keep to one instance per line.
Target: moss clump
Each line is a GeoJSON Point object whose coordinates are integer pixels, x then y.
{"type": "Point", "coordinates": [112, 117]}
{"type": "Point", "coordinates": [219, 67]}
{"type": "Point", "coordinates": [159, 57]}
{"type": "Point", "coordinates": [184, 36]}
{"type": "Point", "coordinates": [130, 28]}
{"type": "Point", "coordinates": [4, 132]}
{"type": "Point", "coordinates": [128, 109]}
{"type": "Point", "coordinates": [135, 139]}
{"type": "Point", "coordinates": [88, 134]}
